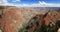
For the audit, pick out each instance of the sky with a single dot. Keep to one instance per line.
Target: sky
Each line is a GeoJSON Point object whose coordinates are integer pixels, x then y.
{"type": "Point", "coordinates": [31, 3]}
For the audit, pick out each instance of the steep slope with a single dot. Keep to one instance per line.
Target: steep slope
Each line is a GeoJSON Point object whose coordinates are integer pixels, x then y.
{"type": "Point", "coordinates": [14, 18]}
{"type": "Point", "coordinates": [48, 22]}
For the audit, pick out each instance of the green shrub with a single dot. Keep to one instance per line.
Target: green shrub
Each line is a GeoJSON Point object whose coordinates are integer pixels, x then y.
{"type": "Point", "coordinates": [1, 7]}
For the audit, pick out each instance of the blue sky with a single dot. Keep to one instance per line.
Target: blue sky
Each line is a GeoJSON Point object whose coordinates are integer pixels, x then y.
{"type": "Point", "coordinates": [31, 2]}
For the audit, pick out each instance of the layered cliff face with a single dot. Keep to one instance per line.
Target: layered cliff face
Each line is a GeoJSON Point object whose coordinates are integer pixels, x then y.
{"type": "Point", "coordinates": [14, 18]}
{"type": "Point", "coordinates": [52, 17]}
{"type": "Point", "coordinates": [48, 22]}
{"type": "Point", "coordinates": [11, 19]}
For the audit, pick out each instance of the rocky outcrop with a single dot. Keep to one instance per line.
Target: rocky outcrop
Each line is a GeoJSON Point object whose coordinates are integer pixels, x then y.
{"type": "Point", "coordinates": [14, 18]}
{"type": "Point", "coordinates": [48, 22]}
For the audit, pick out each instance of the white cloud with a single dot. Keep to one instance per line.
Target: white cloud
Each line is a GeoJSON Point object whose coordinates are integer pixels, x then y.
{"type": "Point", "coordinates": [16, 0]}
{"type": "Point", "coordinates": [5, 2]}
{"type": "Point", "coordinates": [40, 4]}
